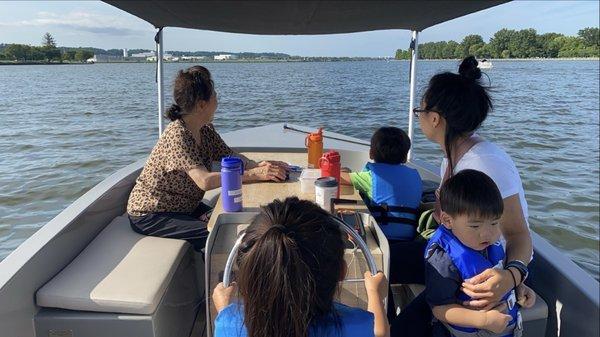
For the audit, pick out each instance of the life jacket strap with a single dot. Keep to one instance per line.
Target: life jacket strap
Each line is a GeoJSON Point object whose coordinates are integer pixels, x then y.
{"type": "Point", "coordinates": [385, 220]}
{"type": "Point", "coordinates": [384, 210]}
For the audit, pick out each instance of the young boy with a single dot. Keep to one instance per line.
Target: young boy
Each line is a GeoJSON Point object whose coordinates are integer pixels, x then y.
{"type": "Point", "coordinates": [392, 189]}
{"type": "Point", "coordinates": [465, 244]}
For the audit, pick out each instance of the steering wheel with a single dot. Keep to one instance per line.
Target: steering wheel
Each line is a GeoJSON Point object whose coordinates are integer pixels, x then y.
{"type": "Point", "coordinates": [345, 227]}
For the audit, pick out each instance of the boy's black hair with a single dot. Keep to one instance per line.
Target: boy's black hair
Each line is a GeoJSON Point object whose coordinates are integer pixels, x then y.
{"type": "Point", "coordinates": [390, 145]}
{"type": "Point", "coordinates": [472, 193]}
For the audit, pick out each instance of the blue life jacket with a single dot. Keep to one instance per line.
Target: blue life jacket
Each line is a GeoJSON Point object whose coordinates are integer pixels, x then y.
{"type": "Point", "coordinates": [469, 263]}
{"type": "Point", "coordinates": [354, 322]}
{"type": "Point", "coordinates": [396, 195]}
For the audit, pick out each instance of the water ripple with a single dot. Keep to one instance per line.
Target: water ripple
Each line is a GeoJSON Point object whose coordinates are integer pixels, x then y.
{"type": "Point", "coordinates": [71, 126]}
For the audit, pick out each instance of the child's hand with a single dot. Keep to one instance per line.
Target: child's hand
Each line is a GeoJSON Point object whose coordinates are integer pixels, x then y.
{"type": "Point", "coordinates": [221, 296]}
{"type": "Point", "coordinates": [345, 169]}
{"type": "Point", "coordinates": [376, 285]}
{"type": "Point", "coordinates": [525, 296]}
{"type": "Point", "coordinates": [496, 320]}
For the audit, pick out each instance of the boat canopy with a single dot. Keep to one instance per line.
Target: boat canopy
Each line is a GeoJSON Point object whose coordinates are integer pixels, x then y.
{"type": "Point", "coordinates": [300, 17]}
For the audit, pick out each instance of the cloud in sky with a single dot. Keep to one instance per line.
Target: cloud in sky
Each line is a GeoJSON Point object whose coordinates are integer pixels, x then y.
{"type": "Point", "coordinates": [97, 24]}
{"type": "Point", "coordinates": [81, 21]}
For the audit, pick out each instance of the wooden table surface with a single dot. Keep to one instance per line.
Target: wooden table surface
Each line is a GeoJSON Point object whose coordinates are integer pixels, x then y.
{"type": "Point", "coordinates": [257, 194]}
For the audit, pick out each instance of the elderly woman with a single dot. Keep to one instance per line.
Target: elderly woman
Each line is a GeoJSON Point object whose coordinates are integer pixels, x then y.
{"type": "Point", "coordinates": [166, 200]}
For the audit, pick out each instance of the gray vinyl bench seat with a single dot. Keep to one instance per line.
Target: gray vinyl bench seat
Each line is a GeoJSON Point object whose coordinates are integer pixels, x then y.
{"type": "Point", "coordinates": [534, 318]}
{"type": "Point", "coordinates": [127, 275]}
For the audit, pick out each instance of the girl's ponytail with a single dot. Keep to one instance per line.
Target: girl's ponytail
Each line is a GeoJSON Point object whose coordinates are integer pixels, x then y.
{"type": "Point", "coordinates": [277, 302]}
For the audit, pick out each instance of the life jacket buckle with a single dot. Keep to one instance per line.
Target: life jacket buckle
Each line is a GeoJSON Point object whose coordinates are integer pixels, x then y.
{"type": "Point", "coordinates": [511, 300]}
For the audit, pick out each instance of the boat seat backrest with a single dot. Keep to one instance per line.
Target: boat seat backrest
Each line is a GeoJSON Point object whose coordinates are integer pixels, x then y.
{"type": "Point", "coordinates": [120, 271]}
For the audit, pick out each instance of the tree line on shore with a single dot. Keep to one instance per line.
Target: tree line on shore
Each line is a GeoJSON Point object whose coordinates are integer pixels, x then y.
{"type": "Point", "coordinates": [47, 52]}
{"type": "Point", "coordinates": [508, 43]}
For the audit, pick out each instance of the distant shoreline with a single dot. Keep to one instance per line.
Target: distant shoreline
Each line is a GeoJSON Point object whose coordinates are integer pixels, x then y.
{"type": "Point", "coordinates": [524, 59]}
{"type": "Point", "coordinates": [9, 63]}
{"type": "Point", "coordinates": [199, 61]}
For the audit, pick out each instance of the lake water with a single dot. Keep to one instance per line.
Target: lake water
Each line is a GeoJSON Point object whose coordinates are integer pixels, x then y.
{"type": "Point", "coordinates": [65, 128]}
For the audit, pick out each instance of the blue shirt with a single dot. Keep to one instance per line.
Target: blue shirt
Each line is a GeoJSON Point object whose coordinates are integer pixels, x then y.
{"type": "Point", "coordinates": [355, 322]}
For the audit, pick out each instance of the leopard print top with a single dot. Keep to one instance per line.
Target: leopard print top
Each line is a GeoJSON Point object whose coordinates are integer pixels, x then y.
{"type": "Point", "coordinates": [163, 185]}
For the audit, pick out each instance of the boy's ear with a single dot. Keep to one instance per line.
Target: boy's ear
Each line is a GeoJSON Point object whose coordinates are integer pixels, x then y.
{"type": "Point", "coordinates": [371, 153]}
{"type": "Point", "coordinates": [446, 220]}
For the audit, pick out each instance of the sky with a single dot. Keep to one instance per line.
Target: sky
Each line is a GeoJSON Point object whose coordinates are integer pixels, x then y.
{"type": "Point", "coordinates": [97, 24]}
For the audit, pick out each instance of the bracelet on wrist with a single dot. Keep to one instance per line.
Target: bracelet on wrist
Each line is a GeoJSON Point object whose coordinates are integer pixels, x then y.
{"type": "Point", "coordinates": [520, 267]}
{"type": "Point", "coordinates": [513, 277]}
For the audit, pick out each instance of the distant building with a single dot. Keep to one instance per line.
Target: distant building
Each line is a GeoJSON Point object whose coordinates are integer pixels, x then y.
{"type": "Point", "coordinates": [223, 57]}
{"type": "Point", "coordinates": [144, 55]}
{"type": "Point", "coordinates": [125, 52]}
{"type": "Point", "coordinates": [192, 58]}
{"type": "Point", "coordinates": [105, 58]}
{"type": "Point", "coordinates": [166, 57]}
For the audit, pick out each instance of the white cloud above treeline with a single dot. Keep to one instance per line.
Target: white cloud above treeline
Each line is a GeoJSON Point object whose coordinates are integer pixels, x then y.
{"type": "Point", "coordinates": [82, 21]}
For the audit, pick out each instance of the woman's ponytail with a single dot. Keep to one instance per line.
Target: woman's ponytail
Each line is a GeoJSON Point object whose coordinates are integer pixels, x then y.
{"type": "Point", "coordinates": [461, 100]}
{"type": "Point", "coordinates": [173, 112]}
{"type": "Point", "coordinates": [468, 69]}
{"type": "Point", "coordinates": [191, 86]}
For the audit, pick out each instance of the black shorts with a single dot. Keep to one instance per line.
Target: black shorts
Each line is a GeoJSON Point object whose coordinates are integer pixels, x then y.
{"type": "Point", "coordinates": [184, 226]}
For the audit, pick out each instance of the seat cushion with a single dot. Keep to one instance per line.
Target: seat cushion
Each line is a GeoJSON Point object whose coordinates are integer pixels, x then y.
{"type": "Point", "coordinates": [120, 271]}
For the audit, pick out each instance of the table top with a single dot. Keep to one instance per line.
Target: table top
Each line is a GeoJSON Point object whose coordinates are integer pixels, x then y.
{"type": "Point", "coordinates": [257, 194]}
{"type": "Point", "coordinates": [262, 193]}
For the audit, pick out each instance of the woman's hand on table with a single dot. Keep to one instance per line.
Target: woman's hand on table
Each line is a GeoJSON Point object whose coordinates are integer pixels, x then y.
{"type": "Point", "coordinates": [278, 163]}
{"type": "Point", "coordinates": [266, 171]}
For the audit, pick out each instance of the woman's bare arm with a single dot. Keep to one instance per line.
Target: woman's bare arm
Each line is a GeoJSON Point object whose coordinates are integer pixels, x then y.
{"type": "Point", "coordinates": [204, 179]}
{"type": "Point", "coordinates": [515, 231]}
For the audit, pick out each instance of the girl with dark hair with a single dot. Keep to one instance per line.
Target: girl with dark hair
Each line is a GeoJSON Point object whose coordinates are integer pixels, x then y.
{"type": "Point", "coordinates": [290, 261]}
{"type": "Point", "coordinates": [453, 107]}
{"type": "Point", "coordinates": [166, 198]}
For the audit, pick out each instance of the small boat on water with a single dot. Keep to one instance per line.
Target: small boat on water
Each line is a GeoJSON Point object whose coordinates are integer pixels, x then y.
{"type": "Point", "coordinates": [485, 64]}
{"type": "Point", "coordinates": [87, 274]}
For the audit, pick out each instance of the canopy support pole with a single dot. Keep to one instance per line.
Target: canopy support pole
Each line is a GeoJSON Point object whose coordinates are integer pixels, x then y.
{"type": "Point", "coordinates": [414, 47]}
{"type": "Point", "coordinates": [160, 79]}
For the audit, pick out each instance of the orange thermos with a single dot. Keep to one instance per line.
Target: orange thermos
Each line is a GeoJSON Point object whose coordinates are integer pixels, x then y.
{"type": "Point", "coordinates": [330, 166]}
{"type": "Point", "coordinates": [314, 144]}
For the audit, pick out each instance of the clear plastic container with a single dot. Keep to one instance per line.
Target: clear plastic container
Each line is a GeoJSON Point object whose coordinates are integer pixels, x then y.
{"type": "Point", "coordinates": [307, 180]}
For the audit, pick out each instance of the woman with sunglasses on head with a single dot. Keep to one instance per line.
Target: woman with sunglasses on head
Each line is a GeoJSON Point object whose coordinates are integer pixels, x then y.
{"type": "Point", "coordinates": [453, 107]}
{"type": "Point", "coordinates": [166, 200]}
